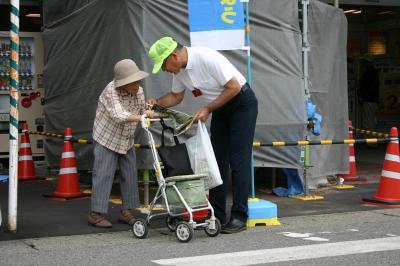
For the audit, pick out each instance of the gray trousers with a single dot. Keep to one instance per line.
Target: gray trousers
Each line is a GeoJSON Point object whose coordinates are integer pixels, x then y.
{"type": "Point", "coordinates": [105, 165]}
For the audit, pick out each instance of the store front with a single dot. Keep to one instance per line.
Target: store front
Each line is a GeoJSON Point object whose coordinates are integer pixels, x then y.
{"type": "Point", "coordinates": [374, 28]}
{"type": "Point", "coordinates": [31, 96]}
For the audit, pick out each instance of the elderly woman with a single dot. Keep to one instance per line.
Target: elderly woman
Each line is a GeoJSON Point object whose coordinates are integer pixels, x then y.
{"type": "Point", "coordinates": [119, 109]}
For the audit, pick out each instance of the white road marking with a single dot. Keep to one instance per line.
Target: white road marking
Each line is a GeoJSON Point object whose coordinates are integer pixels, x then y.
{"type": "Point", "coordinates": [305, 236]}
{"type": "Point", "coordinates": [289, 253]}
{"type": "Point", "coordinates": [352, 230]}
{"type": "Point", "coordinates": [296, 235]}
{"type": "Point", "coordinates": [319, 239]}
{"type": "Point", "coordinates": [325, 232]}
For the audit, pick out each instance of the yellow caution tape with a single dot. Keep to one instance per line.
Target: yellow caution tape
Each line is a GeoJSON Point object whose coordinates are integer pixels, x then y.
{"type": "Point", "coordinates": [303, 142]}
{"type": "Point", "coordinates": [278, 143]}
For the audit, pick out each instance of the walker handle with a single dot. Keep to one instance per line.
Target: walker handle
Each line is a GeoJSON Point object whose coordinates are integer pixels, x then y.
{"type": "Point", "coordinates": [145, 121]}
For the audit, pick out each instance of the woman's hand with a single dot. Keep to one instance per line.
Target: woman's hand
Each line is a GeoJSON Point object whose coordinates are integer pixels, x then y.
{"type": "Point", "coordinates": [151, 101]}
{"type": "Point", "coordinates": [149, 113]}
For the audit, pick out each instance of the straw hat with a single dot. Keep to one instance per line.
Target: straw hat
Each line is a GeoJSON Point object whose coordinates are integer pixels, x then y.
{"type": "Point", "coordinates": [126, 71]}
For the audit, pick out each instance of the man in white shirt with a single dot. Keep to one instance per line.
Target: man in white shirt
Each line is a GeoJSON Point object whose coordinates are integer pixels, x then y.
{"type": "Point", "coordinates": [208, 74]}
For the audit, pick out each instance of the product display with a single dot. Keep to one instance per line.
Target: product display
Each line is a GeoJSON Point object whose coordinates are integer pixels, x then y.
{"type": "Point", "coordinates": [26, 64]}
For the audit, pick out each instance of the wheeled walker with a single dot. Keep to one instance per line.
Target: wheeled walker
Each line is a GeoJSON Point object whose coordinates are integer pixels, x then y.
{"type": "Point", "coordinates": [183, 196]}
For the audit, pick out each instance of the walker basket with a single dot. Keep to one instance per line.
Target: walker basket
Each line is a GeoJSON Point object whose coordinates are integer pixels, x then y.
{"type": "Point", "coordinates": [193, 191]}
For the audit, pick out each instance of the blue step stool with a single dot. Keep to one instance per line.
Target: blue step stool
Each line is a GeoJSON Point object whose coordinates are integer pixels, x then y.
{"type": "Point", "coordinates": [262, 212]}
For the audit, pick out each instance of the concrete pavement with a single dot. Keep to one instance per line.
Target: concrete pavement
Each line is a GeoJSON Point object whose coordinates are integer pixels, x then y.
{"type": "Point", "coordinates": [353, 238]}
{"type": "Point", "coordinates": [40, 217]}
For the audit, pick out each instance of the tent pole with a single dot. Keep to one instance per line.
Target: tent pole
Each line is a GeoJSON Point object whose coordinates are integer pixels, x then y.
{"type": "Point", "coordinates": [306, 48]}
{"type": "Point", "coordinates": [249, 80]}
{"type": "Point", "coordinates": [305, 150]}
{"type": "Point", "coordinates": [13, 159]}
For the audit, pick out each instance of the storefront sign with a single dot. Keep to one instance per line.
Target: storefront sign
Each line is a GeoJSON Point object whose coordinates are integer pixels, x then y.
{"type": "Point", "coordinates": [217, 24]}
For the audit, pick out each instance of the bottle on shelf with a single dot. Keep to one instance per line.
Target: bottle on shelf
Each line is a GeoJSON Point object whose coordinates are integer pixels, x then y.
{"type": "Point", "coordinates": [29, 83]}
{"type": "Point", "coordinates": [23, 84]}
{"type": "Point", "coordinates": [21, 69]}
{"type": "Point", "coordinates": [8, 67]}
{"type": "Point", "coordinates": [22, 48]}
{"type": "Point", "coordinates": [29, 49]}
{"type": "Point", "coordinates": [4, 69]}
{"type": "Point", "coordinates": [2, 48]}
{"type": "Point", "coordinates": [29, 67]}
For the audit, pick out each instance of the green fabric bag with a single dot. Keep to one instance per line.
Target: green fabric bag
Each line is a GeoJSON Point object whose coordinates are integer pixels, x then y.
{"type": "Point", "coordinates": [193, 191]}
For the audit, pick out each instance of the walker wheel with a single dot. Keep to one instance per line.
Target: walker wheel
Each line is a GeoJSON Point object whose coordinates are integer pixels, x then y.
{"type": "Point", "coordinates": [213, 232]}
{"type": "Point", "coordinates": [184, 232]}
{"type": "Point", "coordinates": [140, 228]}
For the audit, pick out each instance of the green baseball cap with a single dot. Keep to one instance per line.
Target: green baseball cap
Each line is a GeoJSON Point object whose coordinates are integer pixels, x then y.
{"type": "Point", "coordinates": [160, 50]}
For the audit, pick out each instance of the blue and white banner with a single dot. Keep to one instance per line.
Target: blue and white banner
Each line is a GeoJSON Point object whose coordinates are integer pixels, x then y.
{"type": "Point", "coordinates": [218, 24]}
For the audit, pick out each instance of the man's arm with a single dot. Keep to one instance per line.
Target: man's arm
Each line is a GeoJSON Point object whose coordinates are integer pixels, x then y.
{"type": "Point", "coordinates": [231, 89]}
{"type": "Point", "coordinates": [168, 100]}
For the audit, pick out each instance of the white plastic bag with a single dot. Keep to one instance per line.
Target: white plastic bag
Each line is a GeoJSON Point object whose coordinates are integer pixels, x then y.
{"type": "Point", "coordinates": [202, 157]}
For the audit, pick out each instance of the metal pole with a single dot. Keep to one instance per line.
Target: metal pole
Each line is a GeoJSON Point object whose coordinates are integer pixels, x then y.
{"type": "Point", "coordinates": [337, 3]}
{"type": "Point", "coordinates": [249, 80]}
{"type": "Point", "coordinates": [13, 159]}
{"type": "Point", "coordinates": [253, 190]}
{"type": "Point", "coordinates": [305, 150]}
{"type": "Point", "coordinates": [306, 165]}
{"type": "Point", "coordinates": [146, 181]}
{"type": "Point", "coordinates": [306, 48]}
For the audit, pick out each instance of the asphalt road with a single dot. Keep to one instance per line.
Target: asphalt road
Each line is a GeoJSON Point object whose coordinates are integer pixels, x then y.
{"type": "Point", "coordinates": [352, 238]}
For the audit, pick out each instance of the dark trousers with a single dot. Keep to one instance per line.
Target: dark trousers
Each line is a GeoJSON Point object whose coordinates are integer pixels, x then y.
{"type": "Point", "coordinates": [232, 133]}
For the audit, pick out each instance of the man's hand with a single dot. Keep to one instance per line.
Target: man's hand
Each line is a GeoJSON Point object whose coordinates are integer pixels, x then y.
{"type": "Point", "coordinates": [149, 113]}
{"type": "Point", "coordinates": [202, 114]}
{"type": "Point", "coordinates": [151, 101]}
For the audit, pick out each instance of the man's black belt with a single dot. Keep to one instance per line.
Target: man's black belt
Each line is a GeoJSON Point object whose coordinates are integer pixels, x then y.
{"type": "Point", "coordinates": [245, 87]}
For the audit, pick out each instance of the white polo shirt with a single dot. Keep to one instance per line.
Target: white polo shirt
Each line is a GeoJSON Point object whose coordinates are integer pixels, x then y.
{"type": "Point", "coordinates": [206, 70]}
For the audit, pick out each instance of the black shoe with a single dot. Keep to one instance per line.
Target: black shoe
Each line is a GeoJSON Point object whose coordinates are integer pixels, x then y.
{"type": "Point", "coordinates": [234, 226]}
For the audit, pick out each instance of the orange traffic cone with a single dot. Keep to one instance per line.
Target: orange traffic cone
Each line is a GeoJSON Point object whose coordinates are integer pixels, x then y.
{"type": "Point", "coordinates": [68, 184]}
{"type": "Point", "coordinates": [352, 177]}
{"type": "Point", "coordinates": [389, 186]}
{"type": "Point", "coordinates": [26, 168]}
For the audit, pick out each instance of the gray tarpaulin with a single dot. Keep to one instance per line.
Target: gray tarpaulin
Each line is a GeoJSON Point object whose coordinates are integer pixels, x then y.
{"type": "Point", "coordinates": [82, 47]}
{"type": "Point", "coordinates": [328, 75]}
{"type": "Point", "coordinates": [56, 9]}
